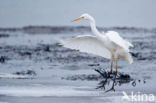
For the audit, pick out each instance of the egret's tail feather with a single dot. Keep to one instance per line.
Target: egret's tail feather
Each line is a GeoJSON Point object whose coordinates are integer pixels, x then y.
{"type": "Point", "coordinates": [129, 58]}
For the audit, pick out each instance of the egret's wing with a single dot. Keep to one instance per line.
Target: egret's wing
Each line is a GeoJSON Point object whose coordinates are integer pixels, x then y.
{"type": "Point", "coordinates": [115, 37]}
{"type": "Point", "coordinates": [88, 44]}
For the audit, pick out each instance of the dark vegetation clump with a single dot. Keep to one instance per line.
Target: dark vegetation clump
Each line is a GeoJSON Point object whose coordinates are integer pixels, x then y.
{"type": "Point", "coordinates": [116, 79]}
{"type": "Point", "coordinates": [4, 35]}
{"type": "Point", "coordinates": [3, 59]}
{"type": "Point", "coordinates": [27, 72]}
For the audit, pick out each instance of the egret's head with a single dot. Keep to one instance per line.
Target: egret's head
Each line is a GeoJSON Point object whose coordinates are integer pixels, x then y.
{"type": "Point", "coordinates": [83, 16]}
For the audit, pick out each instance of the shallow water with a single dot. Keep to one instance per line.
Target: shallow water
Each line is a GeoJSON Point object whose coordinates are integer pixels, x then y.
{"type": "Point", "coordinates": [41, 53]}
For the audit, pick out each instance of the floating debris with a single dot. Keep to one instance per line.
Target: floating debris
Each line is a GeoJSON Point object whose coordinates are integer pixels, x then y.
{"type": "Point", "coordinates": [3, 59]}
{"type": "Point", "coordinates": [91, 65]}
{"type": "Point", "coordinates": [28, 72]}
{"type": "Point", "coordinates": [4, 35]}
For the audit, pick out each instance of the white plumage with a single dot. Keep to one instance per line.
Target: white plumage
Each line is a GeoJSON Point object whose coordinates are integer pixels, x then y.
{"type": "Point", "coordinates": [108, 45]}
{"type": "Point", "coordinates": [114, 37]}
{"type": "Point", "coordinates": [88, 44]}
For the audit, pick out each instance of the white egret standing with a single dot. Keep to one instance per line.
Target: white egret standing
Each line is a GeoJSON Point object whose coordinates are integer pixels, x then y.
{"type": "Point", "coordinates": [108, 45]}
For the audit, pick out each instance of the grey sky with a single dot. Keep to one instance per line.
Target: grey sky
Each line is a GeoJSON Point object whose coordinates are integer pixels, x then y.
{"type": "Point", "coordinates": [107, 13]}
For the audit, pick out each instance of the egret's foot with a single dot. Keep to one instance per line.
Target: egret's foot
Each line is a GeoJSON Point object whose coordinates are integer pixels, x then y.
{"type": "Point", "coordinates": [116, 72]}
{"type": "Point", "coordinates": [112, 88]}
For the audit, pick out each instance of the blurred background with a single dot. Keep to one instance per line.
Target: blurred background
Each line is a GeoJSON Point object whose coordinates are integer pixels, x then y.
{"type": "Point", "coordinates": [107, 13]}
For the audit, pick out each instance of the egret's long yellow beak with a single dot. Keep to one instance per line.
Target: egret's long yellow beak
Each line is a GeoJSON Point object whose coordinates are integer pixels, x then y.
{"type": "Point", "coordinates": [76, 19]}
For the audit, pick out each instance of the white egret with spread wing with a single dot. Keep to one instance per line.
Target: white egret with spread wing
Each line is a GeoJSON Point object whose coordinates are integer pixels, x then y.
{"type": "Point", "coordinates": [109, 45]}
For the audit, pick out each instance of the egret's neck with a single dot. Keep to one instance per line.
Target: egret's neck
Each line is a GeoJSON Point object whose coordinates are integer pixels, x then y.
{"type": "Point", "coordinates": [93, 27]}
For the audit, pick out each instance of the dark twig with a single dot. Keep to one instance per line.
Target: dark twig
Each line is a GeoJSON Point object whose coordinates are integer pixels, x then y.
{"type": "Point", "coordinates": [112, 88]}
{"type": "Point", "coordinates": [102, 74]}
{"type": "Point", "coordinates": [118, 78]}
{"type": "Point", "coordinates": [103, 84]}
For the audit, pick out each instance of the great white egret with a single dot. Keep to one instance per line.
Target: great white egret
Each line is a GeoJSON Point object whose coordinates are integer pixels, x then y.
{"type": "Point", "coordinates": [109, 45]}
